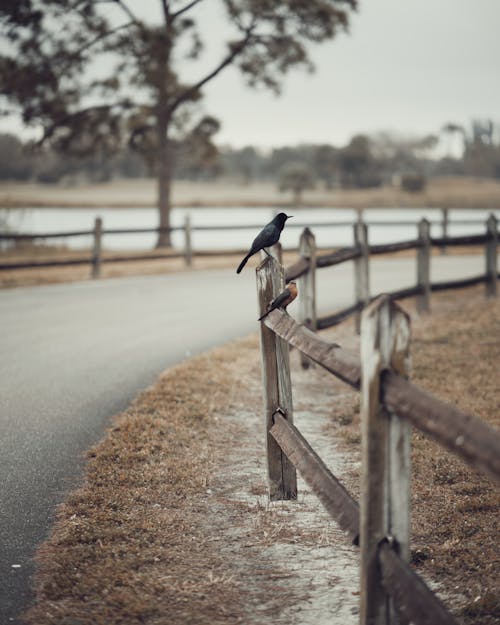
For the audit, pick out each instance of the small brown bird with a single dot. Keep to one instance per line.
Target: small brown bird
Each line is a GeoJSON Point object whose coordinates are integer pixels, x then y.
{"type": "Point", "coordinates": [283, 299]}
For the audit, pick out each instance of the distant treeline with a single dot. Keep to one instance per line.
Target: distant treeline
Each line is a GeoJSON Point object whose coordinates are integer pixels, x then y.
{"type": "Point", "coordinates": [366, 161]}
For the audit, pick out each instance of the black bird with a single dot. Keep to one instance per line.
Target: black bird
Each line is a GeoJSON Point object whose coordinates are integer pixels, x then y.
{"type": "Point", "coordinates": [269, 235]}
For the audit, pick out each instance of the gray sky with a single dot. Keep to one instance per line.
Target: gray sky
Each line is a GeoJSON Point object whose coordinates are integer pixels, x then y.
{"type": "Point", "coordinates": [407, 66]}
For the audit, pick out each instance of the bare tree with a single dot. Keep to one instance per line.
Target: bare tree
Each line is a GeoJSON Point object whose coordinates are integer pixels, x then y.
{"type": "Point", "coordinates": [92, 76]}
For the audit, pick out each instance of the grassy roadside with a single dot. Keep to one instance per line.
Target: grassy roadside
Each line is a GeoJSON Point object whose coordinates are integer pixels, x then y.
{"type": "Point", "coordinates": [455, 510]}
{"type": "Point", "coordinates": [128, 546]}
{"type": "Point", "coordinates": [139, 541]}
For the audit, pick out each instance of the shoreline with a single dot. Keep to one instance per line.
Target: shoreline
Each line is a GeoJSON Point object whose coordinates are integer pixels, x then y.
{"type": "Point", "coordinates": [27, 205]}
{"type": "Point", "coordinates": [141, 193]}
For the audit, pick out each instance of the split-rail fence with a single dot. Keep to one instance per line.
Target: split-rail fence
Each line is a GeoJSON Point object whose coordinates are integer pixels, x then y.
{"type": "Point", "coordinates": [97, 257]}
{"type": "Point", "coordinates": [390, 590]}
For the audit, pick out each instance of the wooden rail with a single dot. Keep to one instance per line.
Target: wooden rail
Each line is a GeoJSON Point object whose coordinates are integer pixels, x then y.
{"type": "Point", "coordinates": [297, 270]}
{"type": "Point", "coordinates": [390, 591]}
{"type": "Point", "coordinates": [361, 252]}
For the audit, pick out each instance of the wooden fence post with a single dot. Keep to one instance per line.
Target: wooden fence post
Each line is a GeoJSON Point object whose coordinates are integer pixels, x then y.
{"type": "Point", "coordinates": [307, 286]}
{"type": "Point", "coordinates": [96, 252]}
{"type": "Point", "coordinates": [276, 383]}
{"type": "Point", "coordinates": [445, 220]}
{"type": "Point", "coordinates": [491, 255]}
{"type": "Point", "coordinates": [188, 249]}
{"type": "Point", "coordinates": [361, 269]}
{"type": "Point", "coordinates": [276, 252]}
{"type": "Point", "coordinates": [385, 451]}
{"type": "Point", "coordinates": [424, 266]}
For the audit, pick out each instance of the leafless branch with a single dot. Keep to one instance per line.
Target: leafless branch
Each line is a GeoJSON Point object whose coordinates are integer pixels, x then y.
{"type": "Point", "coordinates": [103, 36]}
{"type": "Point", "coordinates": [121, 4]}
{"type": "Point", "coordinates": [235, 51]}
{"type": "Point", "coordinates": [127, 10]}
{"type": "Point", "coordinates": [66, 119]}
{"type": "Point", "coordinates": [185, 8]}
{"type": "Point", "coordinates": [166, 11]}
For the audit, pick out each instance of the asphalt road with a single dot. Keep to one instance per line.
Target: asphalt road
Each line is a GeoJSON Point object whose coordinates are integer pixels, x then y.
{"type": "Point", "coordinates": [72, 355]}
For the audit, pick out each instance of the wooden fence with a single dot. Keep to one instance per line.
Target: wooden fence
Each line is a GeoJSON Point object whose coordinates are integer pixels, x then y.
{"type": "Point", "coordinates": [310, 261]}
{"type": "Point", "coordinates": [97, 258]}
{"type": "Point", "coordinates": [390, 591]}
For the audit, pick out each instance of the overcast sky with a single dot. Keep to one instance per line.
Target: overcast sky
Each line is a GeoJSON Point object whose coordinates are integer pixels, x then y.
{"type": "Point", "coordinates": [407, 65]}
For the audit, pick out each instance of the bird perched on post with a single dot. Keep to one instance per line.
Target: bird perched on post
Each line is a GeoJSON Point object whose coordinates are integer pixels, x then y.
{"type": "Point", "coordinates": [269, 235]}
{"type": "Point", "coordinates": [283, 299]}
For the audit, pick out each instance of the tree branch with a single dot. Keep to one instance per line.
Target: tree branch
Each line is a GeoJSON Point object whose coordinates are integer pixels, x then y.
{"type": "Point", "coordinates": [127, 10]}
{"type": "Point", "coordinates": [48, 132]}
{"type": "Point", "coordinates": [103, 36]}
{"type": "Point", "coordinates": [188, 6]}
{"type": "Point", "coordinates": [121, 4]}
{"type": "Point", "coordinates": [227, 60]}
{"type": "Point", "coordinates": [166, 11]}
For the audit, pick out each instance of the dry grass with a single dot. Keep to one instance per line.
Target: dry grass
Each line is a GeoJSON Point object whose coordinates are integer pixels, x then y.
{"type": "Point", "coordinates": [129, 547]}
{"type": "Point", "coordinates": [145, 540]}
{"type": "Point", "coordinates": [454, 192]}
{"type": "Point", "coordinates": [455, 510]}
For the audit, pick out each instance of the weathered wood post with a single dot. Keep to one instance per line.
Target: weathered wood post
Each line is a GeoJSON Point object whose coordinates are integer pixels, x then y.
{"type": "Point", "coordinates": [424, 266]}
{"type": "Point", "coordinates": [307, 286]}
{"type": "Point", "coordinates": [491, 255]}
{"type": "Point", "coordinates": [385, 452]}
{"type": "Point", "coordinates": [97, 249]}
{"type": "Point", "coordinates": [276, 383]}
{"type": "Point", "coordinates": [276, 252]}
{"type": "Point", "coordinates": [445, 220]}
{"type": "Point", "coordinates": [361, 269]}
{"type": "Point", "coordinates": [188, 249]}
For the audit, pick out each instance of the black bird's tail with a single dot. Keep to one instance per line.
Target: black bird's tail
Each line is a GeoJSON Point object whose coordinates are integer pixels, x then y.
{"type": "Point", "coordinates": [243, 262]}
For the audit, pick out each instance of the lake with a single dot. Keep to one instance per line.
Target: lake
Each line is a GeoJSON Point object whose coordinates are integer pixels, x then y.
{"type": "Point", "coordinates": [37, 220]}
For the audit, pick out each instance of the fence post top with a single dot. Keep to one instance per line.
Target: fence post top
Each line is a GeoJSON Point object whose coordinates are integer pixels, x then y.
{"type": "Point", "coordinates": [268, 260]}
{"type": "Point", "coordinates": [492, 219]}
{"type": "Point", "coordinates": [377, 304]}
{"type": "Point", "coordinates": [424, 227]}
{"type": "Point", "coordinates": [383, 301]}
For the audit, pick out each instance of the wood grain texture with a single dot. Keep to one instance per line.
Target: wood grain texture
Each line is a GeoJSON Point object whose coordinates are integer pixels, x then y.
{"type": "Point", "coordinates": [97, 248]}
{"type": "Point", "coordinates": [307, 287]}
{"type": "Point", "coordinates": [188, 247]}
{"type": "Point", "coordinates": [276, 383]}
{"type": "Point", "coordinates": [332, 494]}
{"type": "Point", "coordinates": [474, 440]}
{"type": "Point", "coordinates": [361, 270]}
{"type": "Point", "coordinates": [342, 363]}
{"type": "Point", "coordinates": [415, 602]}
{"type": "Point", "coordinates": [424, 266]}
{"type": "Point", "coordinates": [491, 256]}
{"type": "Point", "coordinates": [297, 269]}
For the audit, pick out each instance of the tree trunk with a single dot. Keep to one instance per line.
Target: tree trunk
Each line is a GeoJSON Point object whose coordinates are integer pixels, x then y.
{"type": "Point", "coordinates": [164, 176]}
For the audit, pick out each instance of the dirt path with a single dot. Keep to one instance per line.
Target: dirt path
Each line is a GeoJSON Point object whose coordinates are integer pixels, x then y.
{"type": "Point", "coordinates": [173, 523]}
{"type": "Point", "coordinates": [301, 567]}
